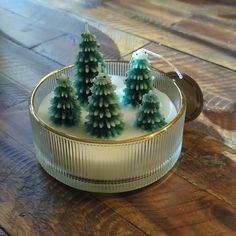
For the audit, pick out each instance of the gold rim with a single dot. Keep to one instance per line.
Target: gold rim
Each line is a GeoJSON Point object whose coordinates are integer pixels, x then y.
{"type": "Point", "coordinates": [95, 141]}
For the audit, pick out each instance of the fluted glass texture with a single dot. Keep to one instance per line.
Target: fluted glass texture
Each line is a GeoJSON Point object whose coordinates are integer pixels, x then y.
{"type": "Point", "coordinates": [107, 166]}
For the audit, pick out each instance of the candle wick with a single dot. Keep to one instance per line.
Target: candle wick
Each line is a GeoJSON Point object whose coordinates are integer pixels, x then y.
{"type": "Point", "coordinates": [145, 51]}
{"type": "Point", "coordinates": [86, 27]}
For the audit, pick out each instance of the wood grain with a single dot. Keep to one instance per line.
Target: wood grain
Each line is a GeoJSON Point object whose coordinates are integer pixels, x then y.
{"type": "Point", "coordinates": [25, 31]}
{"type": "Point", "coordinates": [174, 207]}
{"type": "Point", "coordinates": [15, 122]}
{"type": "Point", "coordinates": [112, 15]}
{"type": "Point", "coordinates": [22, 65]}
{"type": "Point", "coordinates": [69, 46]}
{"type": "Point", "coordinates": [221, 126]}
{"type": "Point", "coordinates": [218, 34]}
{"type": "Point", "coordinates": [210, 164]}
{"type": "Point", "coordinates": [114, 43]}
{"type": "Point", "coordinates": [32, 203]}
{"type": "Point", "coordinates": [11, 94]}
{"type": "Point", "coordinates": [196, 198]}
{"type": "Point", "coordinates": [184, 19]}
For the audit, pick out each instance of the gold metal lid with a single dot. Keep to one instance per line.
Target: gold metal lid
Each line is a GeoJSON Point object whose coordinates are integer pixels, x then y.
{"type": "Point", "coordinates": [193, 93]}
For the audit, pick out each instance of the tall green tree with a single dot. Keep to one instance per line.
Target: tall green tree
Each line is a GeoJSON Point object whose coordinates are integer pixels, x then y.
{"type": "Point", "coordinates": [149, 116]}
{"type": "Point", "coordinates": [65, 108]}
{"type": "Point", "coordinates": [87, 65]}
{"type": "Point", "coordinates": [138, 82]}
{"type": "Point", "coordinates": [104, 119]}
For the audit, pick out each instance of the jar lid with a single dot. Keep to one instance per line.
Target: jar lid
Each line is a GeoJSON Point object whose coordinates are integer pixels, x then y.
{"type": "Point", "coordinates": [192, 92]}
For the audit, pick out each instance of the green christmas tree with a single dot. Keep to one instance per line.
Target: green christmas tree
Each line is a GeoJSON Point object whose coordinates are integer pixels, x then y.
{"type": "Point", "coordinates": [87, 65]}
{"type": "Point", "coordinates": [65, 108]}
{"type": "Point", "coordinates": [149, 116]}
{"type": "Point", "coordinates": [104, 118]}
{"type": "Point", "coordinates": [138, 82]}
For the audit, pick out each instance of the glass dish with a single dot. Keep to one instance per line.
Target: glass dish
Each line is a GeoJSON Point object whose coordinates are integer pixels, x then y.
{"type": "Point", "coordinates": [107, 165]}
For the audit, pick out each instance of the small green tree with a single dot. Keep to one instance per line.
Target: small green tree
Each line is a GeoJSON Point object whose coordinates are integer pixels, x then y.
{"type": "Point", "coordinates": [65, 108]}
{"type": "Point", "coordinates": [149, 116]}
{"type": "Point", "coordinates": [104, 118]}
{"type": "Point", "coordinates": [138, 82]}
{"type": "Point", "coordinates": [87, 65]}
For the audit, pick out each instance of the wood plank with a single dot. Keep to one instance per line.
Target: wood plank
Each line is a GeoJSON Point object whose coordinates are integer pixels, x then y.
{"type": "Point", "coordinates": [211, 165]}
{"type": "Point", "coordinates": [217, 119]}
{"type": "Point", "coordinates": [202, 7]}
{"type": "Point", "coordinates": [25, 31]}
{"type": "Point", "coordinates": [124, 23]}
{"type": "Point", "coordinates": [174, 207]}
{"type": "Point", "coordinates": [26, 8]}
{"type": "Point", "coordinates": [15, 122]}
{"type": "Point", "coordinates": [32, 203]}
{"type": "Point", "coordinates": [22, 65]}
{"type": "Point", "coordinates": [149, 11]}
{"type": "Point", "coordinates": [10, 93]}
{"type": "Point", "coordinates": [114, 43]}
{"type": "Point", "coordinates": [180, 20]}
{"type": "Point", "coordinates": [69, 48]}
{"type": "Point", "coordinates": [105, 15]}
{"type": "Point", "coordinates": [212, 32]}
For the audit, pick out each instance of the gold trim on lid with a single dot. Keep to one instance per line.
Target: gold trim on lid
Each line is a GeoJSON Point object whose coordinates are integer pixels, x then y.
{"type": "Point", "coordinates": [193, 93]}
{"type": "Point", "coordinates": [102, 141]}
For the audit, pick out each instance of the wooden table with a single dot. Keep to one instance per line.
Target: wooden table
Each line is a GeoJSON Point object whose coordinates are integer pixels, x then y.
{"type": "Point", "coordinates": [198, 197]}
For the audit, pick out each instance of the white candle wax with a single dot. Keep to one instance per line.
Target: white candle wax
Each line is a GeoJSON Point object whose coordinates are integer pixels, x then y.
{"type": "Point", "coordinates": [129, 114]}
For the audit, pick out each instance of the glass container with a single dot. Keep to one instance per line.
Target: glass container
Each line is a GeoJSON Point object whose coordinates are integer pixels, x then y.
{"type": "Point", "coordinates": [107, 165]}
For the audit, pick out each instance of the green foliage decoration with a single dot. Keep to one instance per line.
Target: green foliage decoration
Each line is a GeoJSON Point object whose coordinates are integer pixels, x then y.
{"type": "Point", "coordinates": [65, 108]}
{"type": "Point", "coordinates": [138, 82]}
{"type": "Point", "coordinates": [149, 116]}
{"type": "Point", "coordinates": [104, 119]}
{"type": "Point", "coordinates": [87, 66]}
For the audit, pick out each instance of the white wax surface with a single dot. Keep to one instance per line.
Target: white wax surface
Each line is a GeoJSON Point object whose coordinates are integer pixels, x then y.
{"type": "Point", "coordinates": [129, 114]}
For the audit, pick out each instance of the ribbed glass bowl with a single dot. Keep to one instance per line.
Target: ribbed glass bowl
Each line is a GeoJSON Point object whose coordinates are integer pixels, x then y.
{"type": "Point", "coordinates": [107, 165]}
